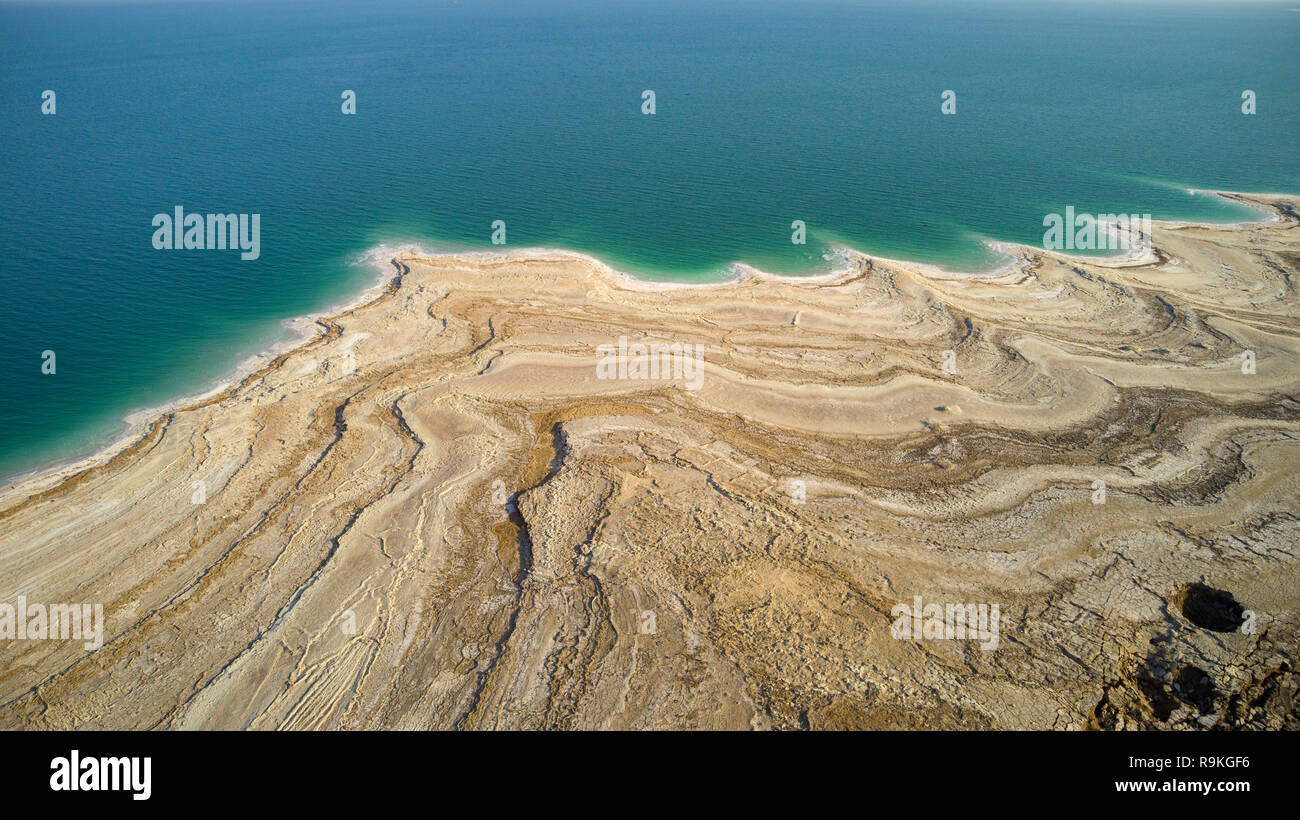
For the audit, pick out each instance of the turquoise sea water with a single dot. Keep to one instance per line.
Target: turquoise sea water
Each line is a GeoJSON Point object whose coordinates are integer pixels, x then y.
{"type": "Point", "coordinates": [767, 112]}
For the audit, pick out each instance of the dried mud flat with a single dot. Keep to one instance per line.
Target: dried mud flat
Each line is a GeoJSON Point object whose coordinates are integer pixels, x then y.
{"type": "Point", "coordinates": [352, 565]}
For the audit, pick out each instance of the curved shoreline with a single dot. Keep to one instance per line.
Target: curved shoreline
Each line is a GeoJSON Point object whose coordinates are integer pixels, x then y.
{"type": "Point", "coordinates": [450, 466]}
{"type": "Point", "coordinates": [310, 329]}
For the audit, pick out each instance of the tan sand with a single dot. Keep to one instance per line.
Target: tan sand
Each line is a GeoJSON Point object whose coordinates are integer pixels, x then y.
{"type": "Point", "coordinates": [352, 565]}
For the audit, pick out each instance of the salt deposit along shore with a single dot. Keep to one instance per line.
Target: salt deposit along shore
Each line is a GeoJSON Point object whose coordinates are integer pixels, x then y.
{"type": "Point", "coordinates": [442, 511]}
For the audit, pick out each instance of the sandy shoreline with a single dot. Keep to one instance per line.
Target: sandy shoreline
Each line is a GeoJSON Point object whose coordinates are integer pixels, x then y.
{"type": "Point", "coordinates": [308, 328]}
{"type": "Point", "coordinates": [303, 330]}
{"type": "Point", "coordinates": [437, 513]}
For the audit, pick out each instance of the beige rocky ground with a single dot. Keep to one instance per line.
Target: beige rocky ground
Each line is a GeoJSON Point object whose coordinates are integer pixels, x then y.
{"type": "Point", "coordinates": [436, 515]}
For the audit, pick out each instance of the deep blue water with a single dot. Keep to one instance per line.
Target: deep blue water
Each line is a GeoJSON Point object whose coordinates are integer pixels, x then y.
{"type": "Point", "coordinates": [767, 112]}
